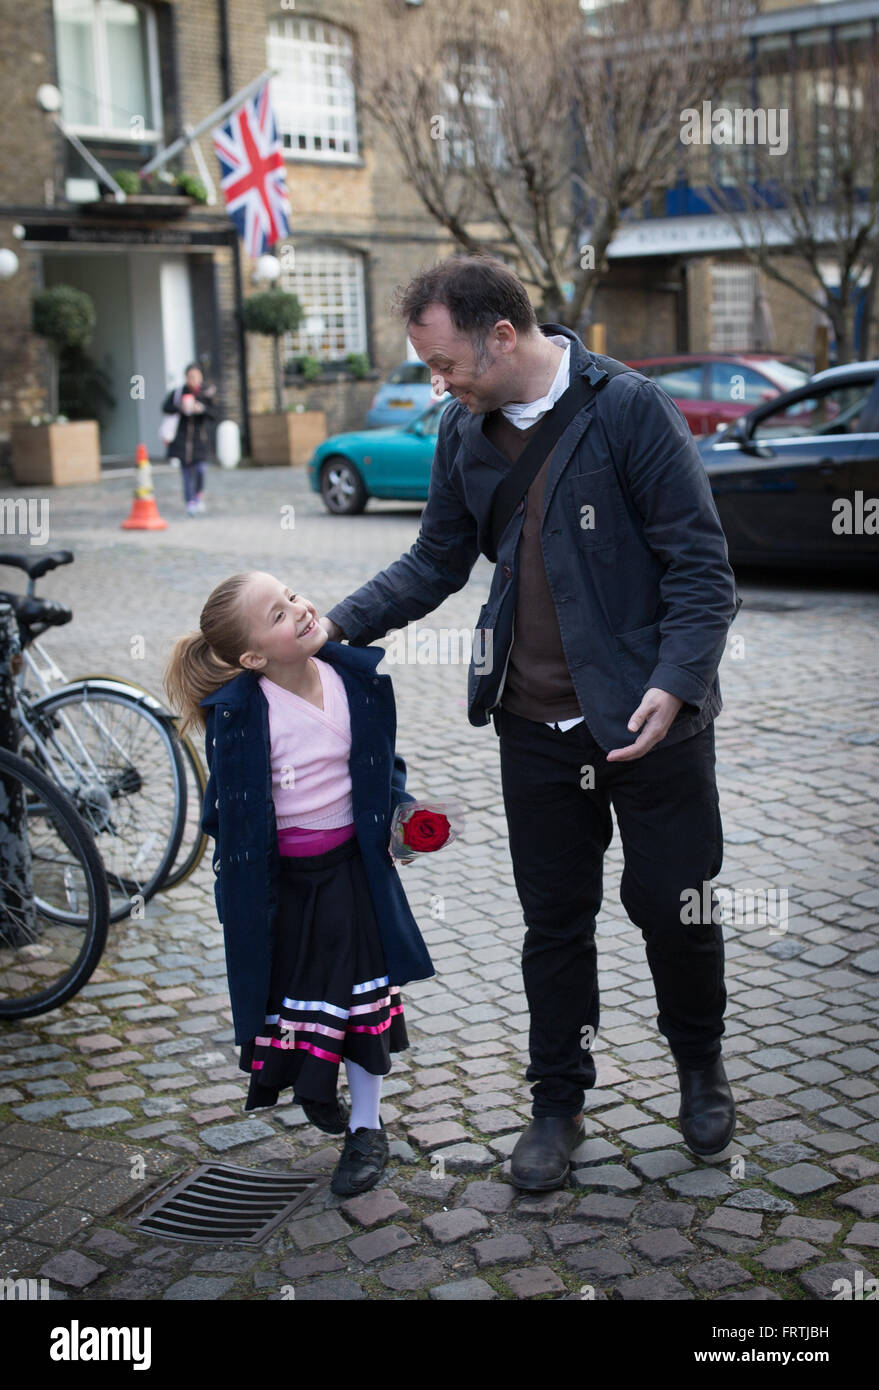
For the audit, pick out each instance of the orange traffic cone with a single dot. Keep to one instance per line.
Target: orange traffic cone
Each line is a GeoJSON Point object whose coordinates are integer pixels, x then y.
{"type": "Point", "coordinates": [144, 515]}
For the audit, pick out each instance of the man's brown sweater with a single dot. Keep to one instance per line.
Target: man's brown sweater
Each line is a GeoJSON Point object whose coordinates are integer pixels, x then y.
{"type": "Point", "coordinates": [538, 683]}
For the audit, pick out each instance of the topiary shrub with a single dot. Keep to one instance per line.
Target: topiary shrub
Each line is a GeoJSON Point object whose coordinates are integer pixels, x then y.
{"type": "Point", "coordinates": [273, 313]}
{"type": "Point", "coordinates": [66, 318]}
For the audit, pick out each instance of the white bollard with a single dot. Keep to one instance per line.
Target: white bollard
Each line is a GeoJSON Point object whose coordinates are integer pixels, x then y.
{"type": "Point", "coordinates": [228, 444]}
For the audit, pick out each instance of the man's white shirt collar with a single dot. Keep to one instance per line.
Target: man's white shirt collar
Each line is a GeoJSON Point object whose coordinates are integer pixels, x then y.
{"type": "Point", "coordinates": [525, 413]}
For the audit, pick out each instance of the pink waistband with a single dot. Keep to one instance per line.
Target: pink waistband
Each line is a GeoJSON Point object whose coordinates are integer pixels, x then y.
{"type": "Point", "coordinates": [297, 840]}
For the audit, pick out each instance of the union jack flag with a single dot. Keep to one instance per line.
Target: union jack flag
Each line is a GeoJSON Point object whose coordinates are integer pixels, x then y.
{"type": "Point", "coordinates": [254, 181]}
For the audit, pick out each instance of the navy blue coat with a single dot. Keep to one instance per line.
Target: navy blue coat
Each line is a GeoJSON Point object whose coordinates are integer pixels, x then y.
{"type": "Point", "coordinates": [643, 598]}
{"type": "Point", "coordinates": [239, 814]}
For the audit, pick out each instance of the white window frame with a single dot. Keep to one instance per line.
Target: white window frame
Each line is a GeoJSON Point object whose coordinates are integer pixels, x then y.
{"type": "Point", "coordinates": [331, 263]}
{"type": "Point", "coordinates": [320, 101]}
{"type": "Point", "coordinates": [733, 296]}
{"type": "Point", "coordinates": [105, 130]}
{"type": "Point", "coordinates": [457, 148]}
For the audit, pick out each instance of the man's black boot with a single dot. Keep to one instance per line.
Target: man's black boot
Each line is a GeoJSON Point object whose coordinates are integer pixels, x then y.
{"type": "Point", "coordinates": [708, 1113]}
{"type": "Point", "coordinates": [541, 1159]}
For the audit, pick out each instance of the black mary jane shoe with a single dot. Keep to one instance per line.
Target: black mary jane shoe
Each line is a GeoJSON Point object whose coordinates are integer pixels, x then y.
{"type": "Point", "coordinates": [330, 1116]}
{"type": "Point", "coordinates": [542, 1158]}
{"type": "Point", "coordinates": [364, 1158]}
{"type": "Point", "coordinates": [707, 1115]}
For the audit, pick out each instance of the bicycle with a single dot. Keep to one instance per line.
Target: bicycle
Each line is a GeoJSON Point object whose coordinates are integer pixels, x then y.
{"type": "Point", "coordinates": [54, 897]}
{"type": "Point", "coordinates": [112, 746]}
{"type": "Point", "coordinates": [197, 781]}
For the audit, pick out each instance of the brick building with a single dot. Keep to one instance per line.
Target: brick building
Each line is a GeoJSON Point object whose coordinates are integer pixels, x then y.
{"type": "Point", "coordinates": [166, 274]}
{"type": "Point", "coordinates": [679, 280]}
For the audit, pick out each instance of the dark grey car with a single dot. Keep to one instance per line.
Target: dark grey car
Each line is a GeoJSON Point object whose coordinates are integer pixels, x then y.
{"type": "Point", "coordinates": [796, 481]}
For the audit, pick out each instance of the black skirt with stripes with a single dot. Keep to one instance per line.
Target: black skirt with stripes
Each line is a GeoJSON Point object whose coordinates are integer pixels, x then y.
{"type": "Point", "coordinates": [329, 996]}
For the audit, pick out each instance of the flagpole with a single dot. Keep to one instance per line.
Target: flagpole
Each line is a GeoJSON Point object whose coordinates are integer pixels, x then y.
{"type": "Point", "coordinates": [192, 132]}
{"type": "Point", "coordinates": [90, 159]}
{"type": "Point", "coordinates": [205, 177]}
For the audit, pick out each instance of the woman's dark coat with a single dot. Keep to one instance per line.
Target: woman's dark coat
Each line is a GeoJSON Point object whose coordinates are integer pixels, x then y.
{"type": "Point", "coordinates": [191, 443]}
{"type": "Point", "coordinates": [239, 814]}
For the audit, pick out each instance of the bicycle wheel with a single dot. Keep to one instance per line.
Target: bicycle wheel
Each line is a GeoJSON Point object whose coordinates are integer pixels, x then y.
{"type": "Point", "coordinates": [113, 751]}
{"type": "Point", "coordinates": [194, 842]}
{"type": "Point", "coordinates": [54, 900]}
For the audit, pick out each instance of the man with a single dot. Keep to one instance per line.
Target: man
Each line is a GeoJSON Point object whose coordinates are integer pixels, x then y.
{"type": "Point", "coordinates": [607, 618]}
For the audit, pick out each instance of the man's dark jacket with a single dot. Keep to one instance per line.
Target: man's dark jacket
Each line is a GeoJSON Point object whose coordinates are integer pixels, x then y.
{"type": "Point", "coordinates": [635, 557]}
{"type": "Point", "coordinates": [239, 814]}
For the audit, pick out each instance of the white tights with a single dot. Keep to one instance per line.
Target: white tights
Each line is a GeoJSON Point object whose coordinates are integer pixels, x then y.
{"type": "Point", "coordinates": [366, 1092]}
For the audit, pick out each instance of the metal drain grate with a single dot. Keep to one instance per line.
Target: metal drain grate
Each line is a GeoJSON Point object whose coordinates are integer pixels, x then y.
{"type": "Point", "coordinates": [219, 1202]}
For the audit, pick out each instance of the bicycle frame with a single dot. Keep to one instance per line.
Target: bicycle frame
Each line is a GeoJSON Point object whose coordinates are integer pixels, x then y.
{"type": "Point", "coordinates": [100, 684]}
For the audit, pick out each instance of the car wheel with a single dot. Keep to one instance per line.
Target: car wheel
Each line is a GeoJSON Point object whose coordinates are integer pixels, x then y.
{"type": "Point", "coordinates": [341, 487]}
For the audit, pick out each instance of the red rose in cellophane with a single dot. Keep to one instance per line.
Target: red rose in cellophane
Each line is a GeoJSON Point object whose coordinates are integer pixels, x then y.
{"type": "Point", "coordinates": [425, 831]}
{"type": "Point", "coordinates": [420, 827]}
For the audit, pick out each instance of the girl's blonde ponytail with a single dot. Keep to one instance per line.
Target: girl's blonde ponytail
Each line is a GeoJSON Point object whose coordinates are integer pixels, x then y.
{"type": "Point", "coordinates": [203, 661]}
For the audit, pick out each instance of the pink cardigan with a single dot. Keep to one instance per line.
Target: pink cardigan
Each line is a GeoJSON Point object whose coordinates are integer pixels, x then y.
{"type": "Point", "coordinates": [310, 748]}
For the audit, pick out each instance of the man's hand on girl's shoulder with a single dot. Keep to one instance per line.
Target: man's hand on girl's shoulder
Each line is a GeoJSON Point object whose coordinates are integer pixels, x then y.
{"type": "Point", "coordinates": [333, 631]}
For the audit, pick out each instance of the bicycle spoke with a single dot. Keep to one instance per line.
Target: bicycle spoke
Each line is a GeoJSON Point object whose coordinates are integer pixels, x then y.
{"type": "Point", "coordinates": [124, 776]}
{"type": "Point", "coordinates": [53, 894]}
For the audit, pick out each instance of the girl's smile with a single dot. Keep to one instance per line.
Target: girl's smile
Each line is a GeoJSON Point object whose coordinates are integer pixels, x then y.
{"type": "Point", "coordinates": [284, 634]}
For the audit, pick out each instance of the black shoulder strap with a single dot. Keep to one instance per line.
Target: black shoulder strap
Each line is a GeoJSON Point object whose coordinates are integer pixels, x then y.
{"type": "Point", "coordinates": [512, 488]}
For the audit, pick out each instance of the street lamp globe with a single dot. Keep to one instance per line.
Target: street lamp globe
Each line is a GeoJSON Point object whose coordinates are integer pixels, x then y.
{"type": "Point", "coordinates": [8, 263]}
{"type": "Point", "coordinates": [49, 97]}
{"type": "Point", "coordinates": [266, 270]}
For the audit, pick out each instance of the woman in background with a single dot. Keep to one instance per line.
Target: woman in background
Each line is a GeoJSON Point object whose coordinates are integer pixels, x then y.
{"type": "Point", "coordinates": [193, 403]}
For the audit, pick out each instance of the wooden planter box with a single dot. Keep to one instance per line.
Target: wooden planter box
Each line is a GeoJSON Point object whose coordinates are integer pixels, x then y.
{"type": "Point", "coordinates": [286, 437]}
{"type": "Point", "coordinates": [59, 454]}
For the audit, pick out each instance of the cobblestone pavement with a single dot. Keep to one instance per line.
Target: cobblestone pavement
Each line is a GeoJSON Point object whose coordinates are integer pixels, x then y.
{"type": "Point", "coordinates": [142, 1062]}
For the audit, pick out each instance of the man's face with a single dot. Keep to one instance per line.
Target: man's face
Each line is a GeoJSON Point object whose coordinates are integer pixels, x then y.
{"type": "Point", "coordinates": [480, 384]}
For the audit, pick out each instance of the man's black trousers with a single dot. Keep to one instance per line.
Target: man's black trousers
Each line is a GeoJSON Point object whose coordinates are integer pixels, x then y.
{"type": "Point", "coordinates": [558, 788]}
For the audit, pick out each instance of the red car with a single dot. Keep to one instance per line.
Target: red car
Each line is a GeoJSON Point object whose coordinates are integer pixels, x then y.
{"type": "Point", "coordinates": [712, 389]}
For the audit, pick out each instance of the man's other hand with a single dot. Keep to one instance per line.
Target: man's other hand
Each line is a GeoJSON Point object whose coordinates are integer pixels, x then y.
{"type": "Point", "coordinates": [333, 631]}
{"type": "Point", "coordinates": [654, 718]}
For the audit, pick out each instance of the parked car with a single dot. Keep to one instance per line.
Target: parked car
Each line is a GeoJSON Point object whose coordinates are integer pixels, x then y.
{"type": "Point", "coordinates": [794, 479]}
{"type": "Point", "coordinates": [348, 469]}
{"type": "Point", "coordinates": [711, 389]}
{"type": "Point", "coordinates": [402, 397]}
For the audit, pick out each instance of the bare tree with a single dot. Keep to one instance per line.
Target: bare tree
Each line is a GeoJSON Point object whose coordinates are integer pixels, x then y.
{"type": "Point", "coordinates": [814, 205]}
{"type": "Point", "coordinates": [531, 130]}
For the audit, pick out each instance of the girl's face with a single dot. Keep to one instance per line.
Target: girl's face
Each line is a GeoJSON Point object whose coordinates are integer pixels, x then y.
{"type": "Point", "coordinates": [283, 627]}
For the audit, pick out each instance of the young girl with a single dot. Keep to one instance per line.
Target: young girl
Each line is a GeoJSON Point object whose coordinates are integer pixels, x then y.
{"type": "Point", "coordinates": [299, 740]}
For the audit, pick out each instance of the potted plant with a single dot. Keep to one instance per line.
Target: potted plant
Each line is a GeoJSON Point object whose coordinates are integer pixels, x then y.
{"type": "Point", "coordinates": [280, 436]}
{"type": "Point", "coordinates": [181, 185]}
{"type": "Point", "coordinates": [50, 448]}
{"type": "Point", "coordinates": [358, 365]}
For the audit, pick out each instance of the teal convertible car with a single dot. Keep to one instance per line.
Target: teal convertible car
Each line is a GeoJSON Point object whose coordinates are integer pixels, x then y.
{"type": "Point", "coordinates": [348, 469]}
